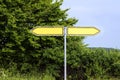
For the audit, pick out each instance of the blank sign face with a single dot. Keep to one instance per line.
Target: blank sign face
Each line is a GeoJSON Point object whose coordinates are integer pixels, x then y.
{"type": "Point", "coordinates": [79, 31]}
{"type": "Point", "coordinates": [48, 31]}
{"type": "Point", "coordinates": [59, 31]}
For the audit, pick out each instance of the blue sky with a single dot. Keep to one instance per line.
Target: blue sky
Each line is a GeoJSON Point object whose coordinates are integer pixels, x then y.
{"type": "Point", "coordinates": [103, 14]}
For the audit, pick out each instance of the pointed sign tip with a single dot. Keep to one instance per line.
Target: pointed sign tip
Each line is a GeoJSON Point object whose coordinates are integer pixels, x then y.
{"type": "Point", "coordinates": [96, 30]}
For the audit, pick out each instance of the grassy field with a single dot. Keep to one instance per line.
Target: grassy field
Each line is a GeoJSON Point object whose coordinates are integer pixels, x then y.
{"type": "Point", "coordinates": [46, 77]}
{"type": "Point", "coordinates": [28, 77]}
{"type": "Point", "coordinates": [110, 78]}
{"type": "Point", "coordinates": [7, 75]}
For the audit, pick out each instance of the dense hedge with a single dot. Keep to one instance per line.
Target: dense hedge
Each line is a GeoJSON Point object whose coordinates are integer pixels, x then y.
{"type": "Point", "coordinates": [97, 62]}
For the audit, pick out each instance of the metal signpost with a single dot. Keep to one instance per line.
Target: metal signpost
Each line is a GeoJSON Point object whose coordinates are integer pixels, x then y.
{"type": "Point", "coordinates": [65, 31]}
{"type": "Point", "coordinates": [65, 55]}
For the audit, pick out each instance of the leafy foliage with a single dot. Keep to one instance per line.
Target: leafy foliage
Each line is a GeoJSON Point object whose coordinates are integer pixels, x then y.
{"type": "Point", "coordinates": [19, 46]}
{"type": "Point", "coordinates": [21, 51]}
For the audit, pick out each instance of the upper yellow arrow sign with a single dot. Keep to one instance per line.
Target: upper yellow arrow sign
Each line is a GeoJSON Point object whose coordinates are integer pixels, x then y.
{"type": "Point", "coordinates": [59, 31]}
{"type": "Point", "coordinates": [82, 31]}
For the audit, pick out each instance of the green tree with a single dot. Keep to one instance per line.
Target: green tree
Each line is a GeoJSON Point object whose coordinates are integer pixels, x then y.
{"type": "Point", "coordinates": [19, 46]}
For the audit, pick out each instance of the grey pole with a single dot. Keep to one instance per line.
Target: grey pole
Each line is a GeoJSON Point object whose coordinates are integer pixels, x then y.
{"type": "Point", "coordinates": [65, 61]}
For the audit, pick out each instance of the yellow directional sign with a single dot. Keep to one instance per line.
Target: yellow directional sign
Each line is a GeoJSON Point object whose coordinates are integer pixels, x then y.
{"type": "Point", "coordinates": [82, 31]}
{"type": "Point", "coordinates": [70, 31]}
{"type": "Point", "coordinates": [64, 31]}
{"type": "Point", "coordinates": [48, 31]}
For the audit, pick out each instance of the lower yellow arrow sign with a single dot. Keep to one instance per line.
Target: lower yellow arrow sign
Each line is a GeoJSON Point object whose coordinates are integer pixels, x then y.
{"type": "Point", "coordinates": [82, 31]}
